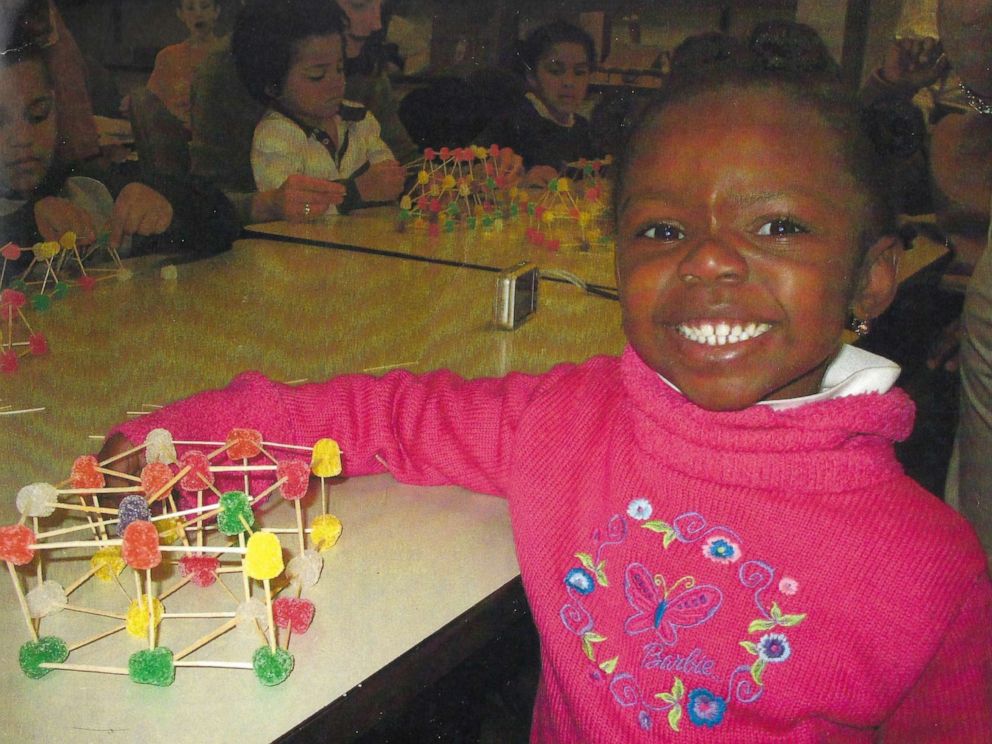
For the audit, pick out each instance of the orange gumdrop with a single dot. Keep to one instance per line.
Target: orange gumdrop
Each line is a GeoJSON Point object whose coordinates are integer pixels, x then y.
{"type": "Point", "coordinates": [243, 444]}
{"type": "Point", "coordinates": [15, 544]}
{"type": "Point", "coordinates": [140, 546]}
{"type": "Point", "coordinates": [84, 473]}
{"type": "Point", "coordinates": [154, 477]}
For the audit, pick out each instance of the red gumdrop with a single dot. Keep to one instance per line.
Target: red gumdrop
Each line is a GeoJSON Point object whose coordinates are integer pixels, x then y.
{"type": "Point", "coordinates": [422, 203]}
{"type": "Point", "coordinates": [539, 210]}
{"type": "Point", "coordinates": [154, 476]}
{"type": "Point", "coordinates": [199, 477]}
{"type": "Point", "coordinates": [494, 150]}
{"type": "Point", "coordinates": [552, 244]}
{"type": "Point", "coordinates": [435, 205]}
{"type": "Point", "coordinates": [297, 474]}
{"type": "Point", "coordinates": [140, 546]}
{"type": "Point", "coordinates": [243, 443]}
{"type": "Point", "coordinates": [501, 181]}
{"type": "Point", "coordinates": [574, 213]}
{"type": "Point", "coordinates": [294, 613]}
{"type": "Point", "coordinates": [84, 473]}
{"type": "Point", "coordinates": [15, 544]}
{"type": "Point", "coordinates": [429, 153]}
{"type": "Point", "coordinates": [38, 344]}
{"type": "Point", "coordinates": [201, 569]}
{"type": "Point", "coordinates": [538, 237]}
{"type": "Point", "coordinates": [8, 361]}
{"type": "Point", "coordinates": [445, 152]}
{"type": "Point", "coordinates": [434, 230]}
{"type": "Point", "coordinates": [86, 282]}
{"type": "Point", "coordinates": [490, 168]}
{"type": "Point", "coordinates": [11, 251]}
{"type": "Point", "coordinates": [592, 194]}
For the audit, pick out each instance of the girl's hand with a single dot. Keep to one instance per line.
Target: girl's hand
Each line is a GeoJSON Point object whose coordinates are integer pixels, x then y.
{"type": "Point", "coordinates": [540, 176]}
{"type": "Point", "coordinates": [131, 464]}
{"type": "Point", "coordinates": [381, 182]}
{"type": "Point", "coordinates": [510, 165]}
{"type": "Point", "coordinates": [138, 210]}
{"type": "Point", "coordinates": [55, 216]}
{"type": "Point", "coordinates": [303, 198]}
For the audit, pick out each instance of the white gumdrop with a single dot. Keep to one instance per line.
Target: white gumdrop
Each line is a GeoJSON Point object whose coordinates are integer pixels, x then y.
{"type": "Point", "coordinates": [250, 612]}
{"type": "Point", "coordinates": [37, 500]}
{"type": "Point", "coordinates": [305, 568]}
{"type": "Point", "coordinates": [159, 447]}
{"type": "Point", "coordinates": [46, 598]}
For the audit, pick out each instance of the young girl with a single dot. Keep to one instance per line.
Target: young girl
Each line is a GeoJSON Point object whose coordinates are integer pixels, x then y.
{"type": "Point", "coordinates": [715, 538]}
{"type": "Point", "coordinates": [544, 127]}
{"type": "Point", "coordinates": [290, 56]}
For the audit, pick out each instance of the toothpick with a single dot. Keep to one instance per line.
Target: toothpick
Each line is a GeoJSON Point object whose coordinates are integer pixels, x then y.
{"type": "Point", "coordinates": [199, 643]}
{"type": "Point", "coordinates": [118, 474]}
{"type": "Point", "coordinates": [81, 580]}
{"type": "Point", "coordinates": [299, 525]}
{"type": "Point", "coordinates": [121, 455]}
{"type": "Point", "coordinates": [22, 600]}
{"type": "Point", "coordinates": [93, 611]}
{"type": "Point", "coordinates": [268, 608]}
{"type": "Point", "coordinates": [216, 664]}
{"type": "Point", "coordinates": [151, 610]}
{"type": "Point", "coordinates": [188, 615]}
{"type": "Point", "coordinates": [98, 637]}
{"type": "Point", "coordinates": [84, 668]}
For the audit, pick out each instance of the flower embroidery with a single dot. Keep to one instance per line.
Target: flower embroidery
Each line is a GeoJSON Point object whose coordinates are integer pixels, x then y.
{"type": "Point", "coordinates": [639, 509]}
{"type": "Point", "coordinates": [788, 586]}
{"type": "Point", "coordinates": [774, 648]}
{"type": "Point", "coordinates": [581, 580]}
{"type": "Point", "coordinates": [705, 708]}
{"type": "Point", "coordinates": [721, 550]}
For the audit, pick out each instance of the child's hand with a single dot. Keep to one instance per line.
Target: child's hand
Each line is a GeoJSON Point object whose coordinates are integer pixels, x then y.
{"type": "Point", "coordinates": [55, 216]}
{"type": "Point", "coordinates": [914, 63]}
{"type": "Point", "coordinates": [381, 182]}
{"type": "Point", "coordinates": [138, 210]}
{"type": "Point", "coordinates": [510, 165]}
{"type": "Point", "coordinates": [302, 198]}
{"type": "Point", "coordinates": [540, 176]}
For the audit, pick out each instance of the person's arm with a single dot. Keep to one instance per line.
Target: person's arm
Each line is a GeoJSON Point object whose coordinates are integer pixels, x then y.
{"type": "Point", "coordinates": [952, 700]}
{"type": "Point", "coordinates": [277, 153]}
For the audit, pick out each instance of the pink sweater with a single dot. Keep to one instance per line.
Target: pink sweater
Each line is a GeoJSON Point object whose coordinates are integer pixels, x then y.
{"type": "Point", "coordinates": [755, 576]}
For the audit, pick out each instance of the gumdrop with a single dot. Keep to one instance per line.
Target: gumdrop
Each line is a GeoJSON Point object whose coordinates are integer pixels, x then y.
{"type": "Point", "coordinates": [46, 598]}
{"type": "Point", "coordinates": [46, 250]}
{"type": "Point", "coordinates": [169, 530]}
{"type": "Point", "coordinates": [11, 251]}
{"type": "Point", "coordinates": [33, 654]}
{"type": "Point", "coordinates": [326, 459]}
{"type": "Point", "coordinates": [235, 513]}
{"type": "Point", "coordinates": [243, 444]}
{"type": "Point", "coordinates": [40, 303]}
{"type": "Point", "coordinates": [249, 614]}
{"type": "Point", "coordinates": [86, 282]}
{"type": "Point", "coordinates": [107, 563]}
{"type": "Point", "coordinates": [152, 666]}
{"type": "Point", "coordinates": [325, 530]}
{"type": "Point", "coordinates": [297, 475]}
{"type": "Point", "coordinates": [199, 476]}
{"type": "Point", "coordinates": [136, 620]}
{"type": "Point", "coordinates": [140, 549]}
{"type": "Point", "coordinates": [305, 568]}
{"type": "Point", "coordinates": [263, 559]}
{"type": "Point", "coordinates": [60, 291]}
{"type": "Point", "coordinates": [8, 361]}
{"type": "Point", "coordinates": [169, 272]}
{"type": "Point", "coordinates": [155, 476]}
{"type": "Point", "coordinates": [37, 500]}
{"type": "Point", "coordinates": [15, 544]}
{"type": "Point", "coordinates": [84, 473]}
{"type": "Point", "coordinates": [201, 569]}
{"type": "Point", "coordinates": [272, 666]}
{"type": "Point", "coordinates": [293, 613]}
{"type": "Point", "coordinates": [38, 344]}
{"type": "Point", "coordinates": [159, 447]}
{"type": "Point", "coordinates": [133, 508]}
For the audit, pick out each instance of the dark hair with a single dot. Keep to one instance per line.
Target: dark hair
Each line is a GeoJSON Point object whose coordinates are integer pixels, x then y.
{"type": "Point", "coordinates": [539, 41]}
{"type": "Point", "coordinates": [833, 102]}
{"type": "Point", "coordinates": [267, 33]}
{"type": "Point", "coordinates": [26, 53]}
{"type": "Point", "coordinates": [792, 47]}
{"type": "Point", "coordinates": [705, 49]}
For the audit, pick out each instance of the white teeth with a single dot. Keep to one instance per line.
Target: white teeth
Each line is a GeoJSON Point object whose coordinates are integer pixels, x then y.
{"type": "Point", "coordinates": [722, 333]}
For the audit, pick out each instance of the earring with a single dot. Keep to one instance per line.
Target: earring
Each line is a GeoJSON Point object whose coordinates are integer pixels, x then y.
{"type": "Point", "coordinates": [860, 326]}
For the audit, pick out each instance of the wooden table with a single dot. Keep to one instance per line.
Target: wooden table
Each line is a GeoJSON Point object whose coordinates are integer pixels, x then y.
{"type": "Point", "coordinates": [411, 560]}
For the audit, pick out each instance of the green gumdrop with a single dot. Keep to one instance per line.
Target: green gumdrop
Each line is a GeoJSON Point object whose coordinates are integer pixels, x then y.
{"type": "Point", "coordinates": [531, 208]}
{"type": "Point", "coordinates": [470, 223]}
{"type": "Point", "coordinates": [233, 507]}
{"type": "Point", "coordinates": [60, 291]}
{"type": "Point", "coordinates": [487, 221]}
{"type": "Point", "coordinates": [553, 185]}
{"type": "Point", "coordinates": [20, 285]}
{"type": "Point", "coordinates": [405, 215]}
{"type": "Point", "coordinates": [41, 302]}
{"type": "Point", "coordinates": [514, 210]}
{"type": "Point", "coordinates": [152, 666]}
{"type": "Point", "coordinates": [449, 226]}
{"type": "Point", "coordinates": [272, 667]}
{"type": "Point", "coordinates": [35, 653]}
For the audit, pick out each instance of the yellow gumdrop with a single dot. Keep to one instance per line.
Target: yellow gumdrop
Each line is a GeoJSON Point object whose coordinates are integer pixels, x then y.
{"type": "Point", "coordinates": [584, 218]}
{"type": "Point", "coordinates": [594, 233]}
{"type": "Point", "coordinates": [463, 190]}
{"type": "Point", "coordinates": [48, 249]}
{"type": "Point", "coordinates": [479, 151]}
{"type": "Point", "coordinates": [137, 616]}
{"type": "Point", "coordinates": [326, 459]}
{"type": "Point", "coordinates": [68, 240]}
{"type": "Point", "coordinates": [564, 184]}
{"type": "Point", "coordinates": [263, 559]}
{"type": "Point", "coordinates": [548, 216]}
{"type": "Point", "coordinates": [423, 177]}
{"type": "Point", "coordinates": [435, 190]}
{"type": "Point", "coordinates": [325, 531]}
{"type": "Point", "coordinates": [108, 563]}
{"type": "Point", "coordinates": [406, 202]}
{"type": "Point", "coordinates": [168, 530]}
{"type": "Point", "coordinates": [448, 182]}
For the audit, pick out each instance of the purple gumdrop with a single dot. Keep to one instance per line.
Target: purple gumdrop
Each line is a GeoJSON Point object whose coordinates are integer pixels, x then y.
{"type": "Point", "coordinates": [132, 508]}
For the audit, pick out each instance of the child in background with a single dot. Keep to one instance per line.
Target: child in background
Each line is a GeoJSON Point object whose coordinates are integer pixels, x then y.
{"type": "Point", "coordinates": [544, 127]}
{"type": "Point", "coordinates": [713, 532]}
{"type": "Point", "coordinates": [175, 65]}
{"type": "Point", "coordinates": [33, 205]}
{"type": "Point", "coordinates": [290, 56]}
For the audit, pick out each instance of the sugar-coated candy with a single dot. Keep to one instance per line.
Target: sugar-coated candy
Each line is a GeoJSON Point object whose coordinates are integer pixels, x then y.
{"type": "Point", "coordinates": [86, 282]}
{"type": "Point", "coordinates": [152, 666]}
{"type": "Point", "coordinates": [140, 548]}
{"type": "Point", "coordinates": [68, 240]}
{"type": "Point", "coordinates": [47, 249]}
{"type": "Point", "coordinates": [297, 475]}
{"type": "Point", "coordinates": [40, 303]}
{"type": "Point", "coordinates": [15, 544]}
{"type": "Point", "coordinates": [199, 477]}
{"type": "Point", "coordinates": [125, 275]}
{"type": "Point", "coordinates": [133, 508]}
{"type": "Point", "coordinates": [136, 620]}
{"type": "Point", "coordinates": [263, 558]}
{"type": "Point", "coordinates": [154, 477]}
{"type": "Point", "coordinates": [107, 563]}
{"type": "Point", "coordinates": [304, 569]}
{"type": "Point", "coordinates": [46, 598]}
{"type": "Point", "coordinates": [84, 473]}
{"type": "Point", "coordinates": [294, 613]}
{"type": "Point", "coordinates": [169, 530]}
{"type": "Point", "coordinates": [38, 344]}
{"type": "Point", "coordinates": [201, 569]}
{"type": "Point", "coordinates": [8, 361]}
{"type": "Point", "coordinates": [37, 500]}
{"type": "Point", "coordinates": [11, 251]}
{"type": "Point", "coordinates": [235, 513]}
{"type": "Point", "coordinates": [249, 614]}
{"type": "Point", "coordinates": [326, 459]}
{"type": "Point", "coordinates": [243, 444]}
{"type": "Point", "coordinates": [60, 291]}
{"type": "Point", "coordinates": [159, 447]}
{"type": "Point", "coordinates": [169, 272]}
{"type": "Point", "coordinates": [46, 650]}
{"type": "Point", "coordinates": [325, 530]}
{"type": "Point", "coordinates": [272, 666]}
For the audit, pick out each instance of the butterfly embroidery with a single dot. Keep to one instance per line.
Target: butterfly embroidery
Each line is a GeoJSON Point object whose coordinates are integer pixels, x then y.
{"type": "Point", "coordinates": [667, 610]}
